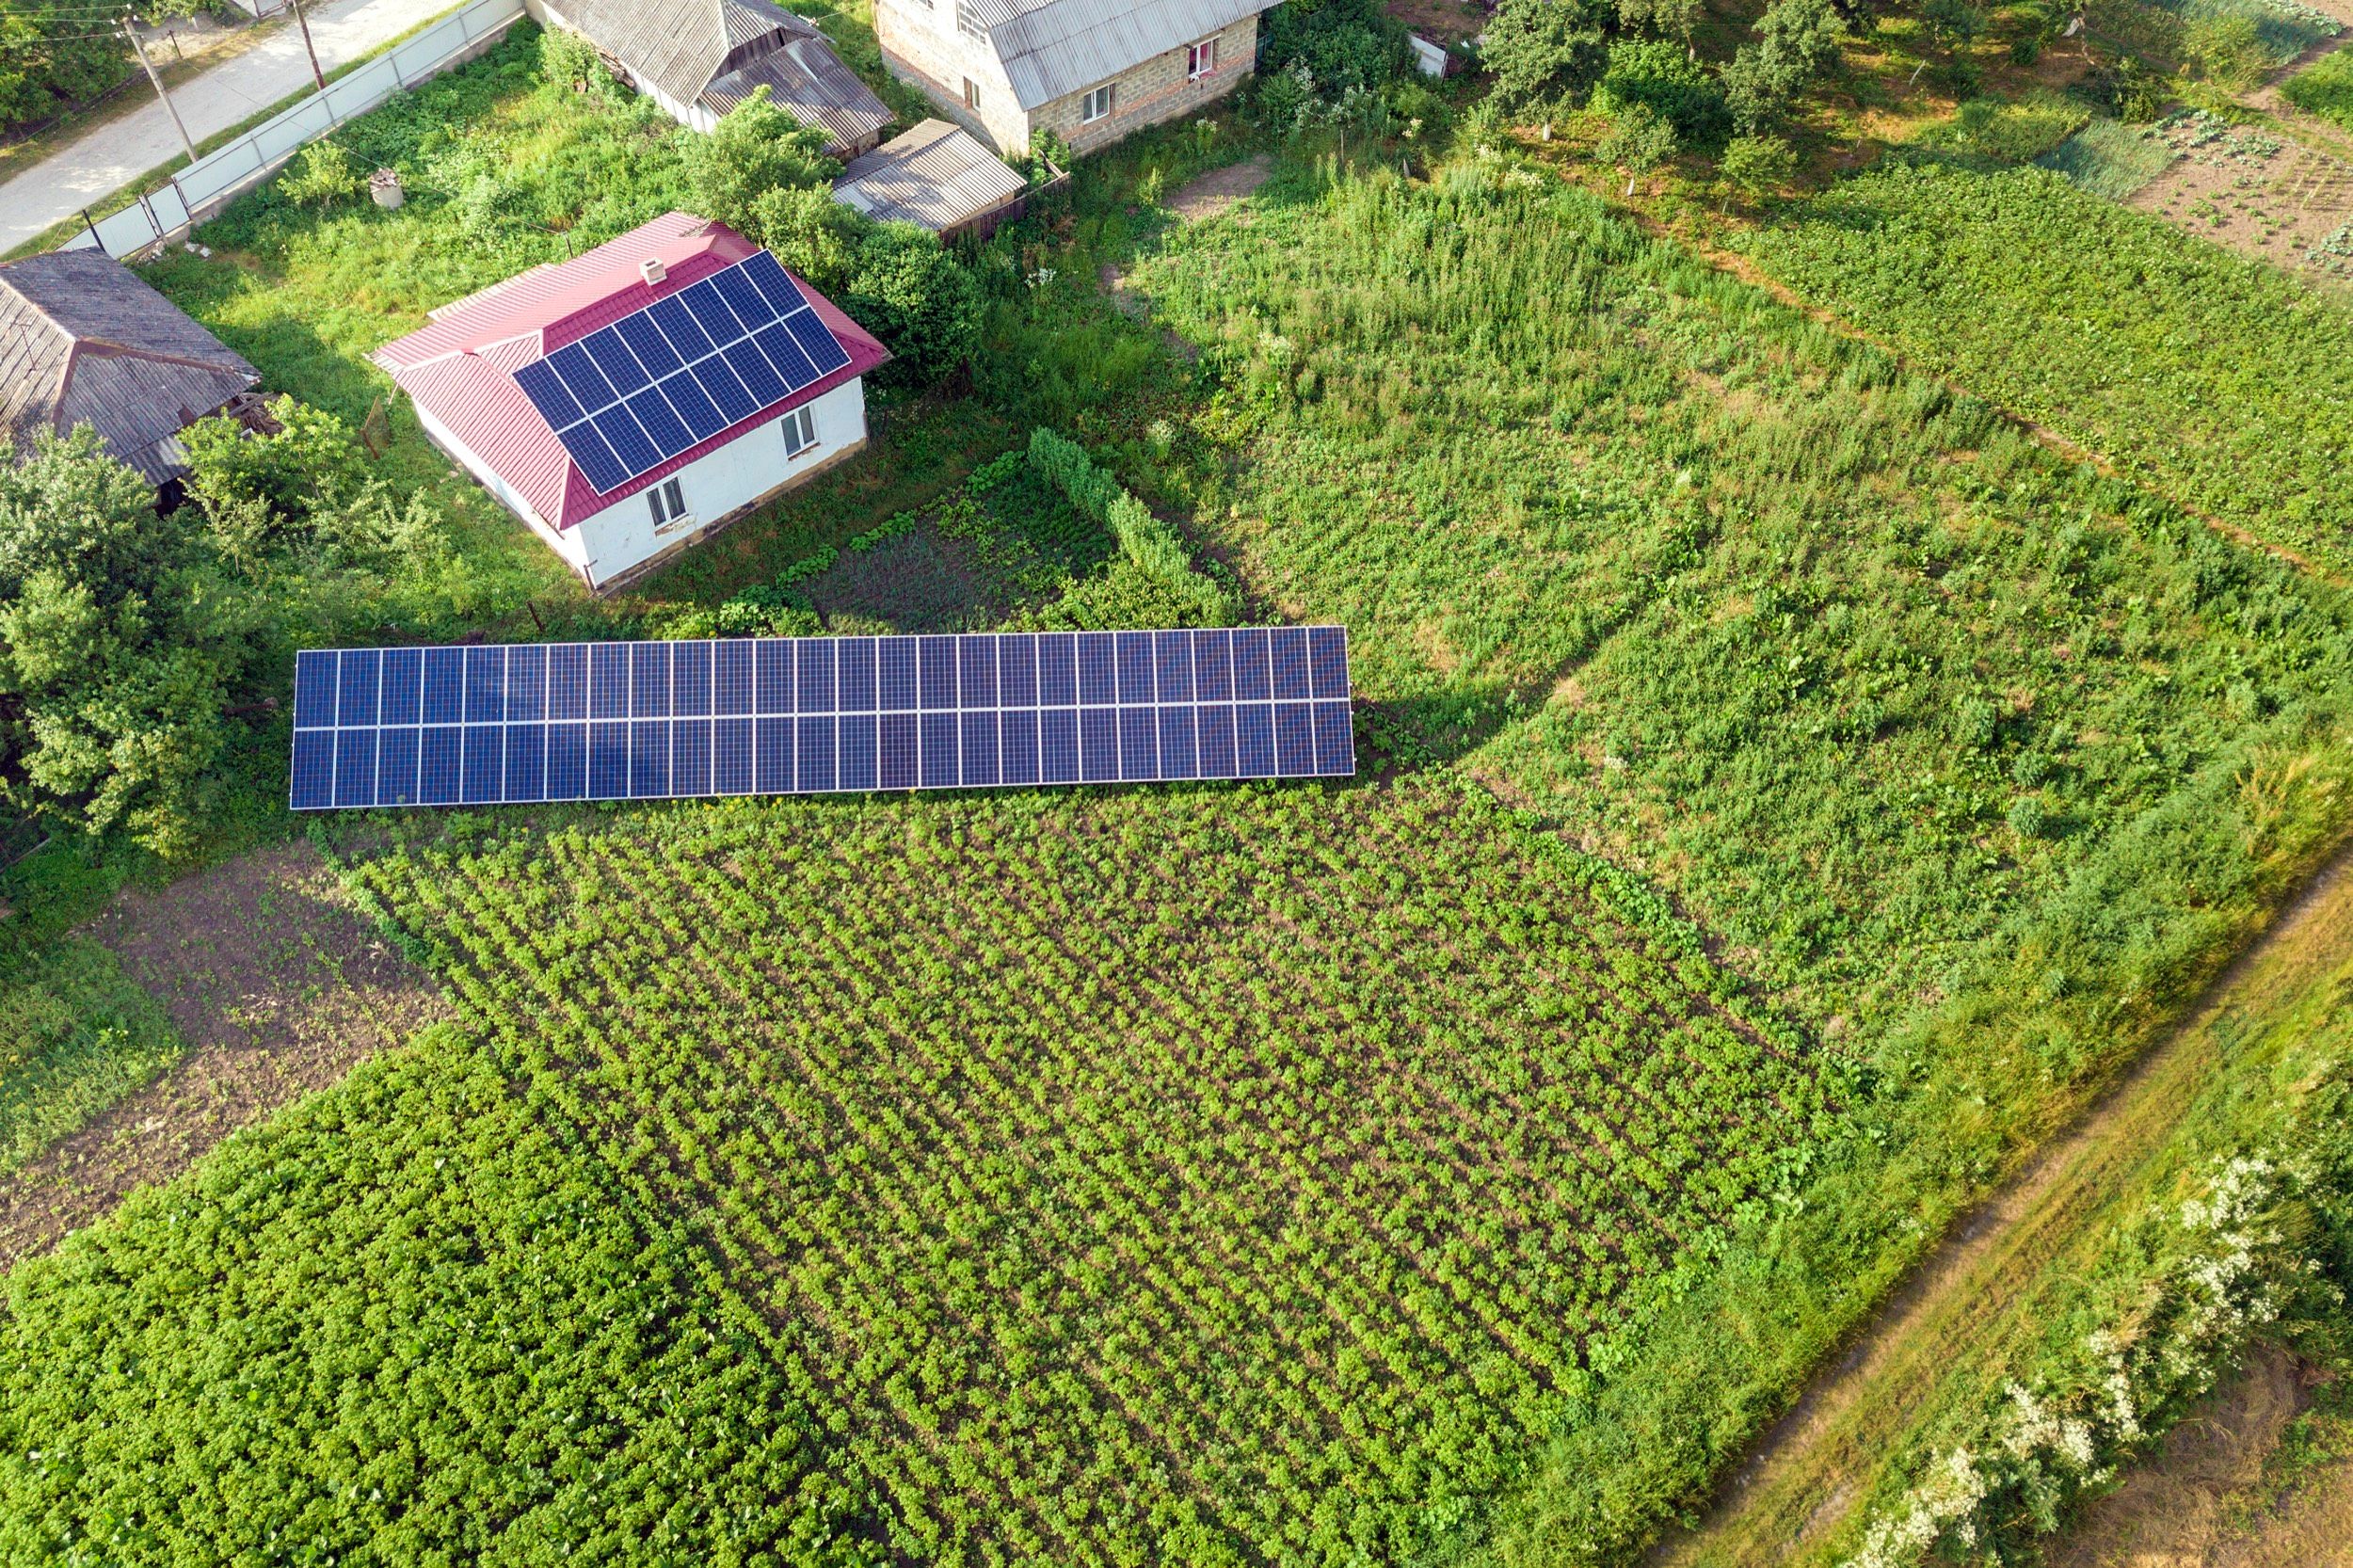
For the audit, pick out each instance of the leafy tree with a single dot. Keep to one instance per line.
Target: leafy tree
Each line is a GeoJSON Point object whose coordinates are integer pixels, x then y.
{"type": "Point", "coordinates": [909, 291]}
{"type": "Point", "coordinates": [1639, 139]}
{"type": "Point", "coordinates": [756, 148]}
{"type": "Point", "coordinates": [312, 462]}
{"type": "Point", "coordinates": [567, 58]}
{"type": "Point", "coordinates": [1757, 166]}
{"type": "Point", "coordinates": [1674, 19]}
{"type": "Point", "coordinates": [810, 232]}
{"type": "Point", "coordinates": [1546, 53]}
{"type": "Point", "coordinates": [119, 642]}
{"type": "Point", "coordinates": [1341, 44]}
{"type": "Point", "coordinates": [53, 57]}
{"type": "Point", "coordinates": [1797, 41]}
{"type": "Point", "coordinates": [1663, 77]}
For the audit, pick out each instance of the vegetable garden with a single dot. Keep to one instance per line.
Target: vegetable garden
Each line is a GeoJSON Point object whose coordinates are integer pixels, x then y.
{"type": "Point", "coordinates": [1207, 1175]}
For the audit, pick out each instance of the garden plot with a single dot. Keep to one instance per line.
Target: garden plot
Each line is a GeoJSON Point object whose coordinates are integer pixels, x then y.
{"type": "Point", "coordinates": [1210, 1176]}
{"type": "Point", "coordinates": [2283, 202]}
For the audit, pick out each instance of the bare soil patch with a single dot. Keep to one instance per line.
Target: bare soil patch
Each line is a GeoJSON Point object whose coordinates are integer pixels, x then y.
{"type": "Point", "coordinates": [919, 582]}
{"type": "Point", "coordinates": [277, 985]}
{"type": "Point", "coordinates": [2281, 205]}
{"type": "Point", "coordinates": [1440, 21]}
{"type": "Point", "coordinates": [1212, 192]}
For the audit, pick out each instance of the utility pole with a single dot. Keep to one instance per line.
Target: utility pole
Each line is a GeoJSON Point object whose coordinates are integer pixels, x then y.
{"type": "Point", "coordinates": [304, 23]}
{"type": "Point", "coordinates": [131, 31]}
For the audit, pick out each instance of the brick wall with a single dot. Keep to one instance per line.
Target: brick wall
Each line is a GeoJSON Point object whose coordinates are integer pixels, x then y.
{"type": "Point", "coordinates": [1153, 91]}
{"type": "Point", "coordinates": [922, 47]}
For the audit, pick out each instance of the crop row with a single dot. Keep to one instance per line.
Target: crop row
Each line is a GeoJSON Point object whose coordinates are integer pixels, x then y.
{"type": "Point", "coordinates": [1235, 1174]}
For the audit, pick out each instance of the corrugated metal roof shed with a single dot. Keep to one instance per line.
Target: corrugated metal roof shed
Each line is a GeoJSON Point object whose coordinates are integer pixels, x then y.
{"type": "Point", "coordinates": [937, 175]}
{"type": "Point", "coordinates": [808, 79]}
{"type": "Point", "coordinates": [1053, 48]}
{"type": "Point", "coordinates": [85, 340]}
{"type": "Point", "coordinates": [716, 52]}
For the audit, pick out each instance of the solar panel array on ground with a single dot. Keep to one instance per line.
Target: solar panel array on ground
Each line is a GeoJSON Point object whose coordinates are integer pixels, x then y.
{"type": "Point", "coordinates": [629, 398]}
{"type": "Point", "coordinates": [807, 715]}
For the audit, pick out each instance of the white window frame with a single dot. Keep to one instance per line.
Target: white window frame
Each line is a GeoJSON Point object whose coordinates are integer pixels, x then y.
{"type": "Point", "coordinates": [969, 22]}
{"type": "Point", "coordinates": [1200, 59]}
{"type": "Point", "coordinates": [800, 431]}
{"type": "Point", "coordinates": [667, 503]}
{"type": "Point", "coordinates": [1095, 104]}
{"type": "Point", "coordinates": [972, 94]}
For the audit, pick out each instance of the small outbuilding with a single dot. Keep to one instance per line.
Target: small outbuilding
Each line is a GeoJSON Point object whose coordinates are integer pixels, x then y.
{"type": "Point", "coordinates": [630, 400]}
{"type": "Point", "coordinates": [699, 58]}
{"type": "Point", "coordinates": [84, 340]}
{"type": "Point", "coordinates": [938, 176]}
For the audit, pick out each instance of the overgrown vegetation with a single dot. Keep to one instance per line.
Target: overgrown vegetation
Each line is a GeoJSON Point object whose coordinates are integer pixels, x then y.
{"type": "Point", "coordinates": [1906, 710]}
{"type": "Point", "coordinates": [2216, 379]}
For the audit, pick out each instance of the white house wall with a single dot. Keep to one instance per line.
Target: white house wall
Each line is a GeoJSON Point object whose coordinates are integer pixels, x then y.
{"type": "Point", "coordinates": [718, 484]}
{"type": "Point", "coordinates": [566, 545]}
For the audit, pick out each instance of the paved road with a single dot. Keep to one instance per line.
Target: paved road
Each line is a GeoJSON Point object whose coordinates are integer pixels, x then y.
{"type": "Point", "coordinates": [112, 155]}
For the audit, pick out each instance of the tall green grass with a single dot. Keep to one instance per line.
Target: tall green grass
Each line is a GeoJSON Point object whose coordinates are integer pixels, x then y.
{"type": "Point", "coordinates": [2218, 381]}
{"type": "Point", "coordinates": [2110, 158]}
{"type": "Point", "coordinates": [2324, 87]}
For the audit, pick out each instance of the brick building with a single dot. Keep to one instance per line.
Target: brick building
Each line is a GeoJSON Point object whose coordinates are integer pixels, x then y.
{"type": "Point", "coordinates": [1089, 70]}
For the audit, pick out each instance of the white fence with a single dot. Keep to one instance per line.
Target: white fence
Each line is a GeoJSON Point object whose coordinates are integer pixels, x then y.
{"type": "Point", "coordinates": [207, 184]}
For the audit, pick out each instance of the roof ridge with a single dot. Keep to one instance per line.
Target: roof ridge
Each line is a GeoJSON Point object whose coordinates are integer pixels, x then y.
{"type": "Point", "coordinates": [123, 350]}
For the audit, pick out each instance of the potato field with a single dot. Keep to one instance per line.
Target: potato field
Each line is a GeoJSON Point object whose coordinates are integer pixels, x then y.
{"type": "Point", "coordinates": [1202, 1176]}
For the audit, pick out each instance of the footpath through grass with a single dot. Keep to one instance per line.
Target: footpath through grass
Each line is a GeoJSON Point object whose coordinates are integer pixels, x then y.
{"type": "Point", "coordinates": [2066, 1253]}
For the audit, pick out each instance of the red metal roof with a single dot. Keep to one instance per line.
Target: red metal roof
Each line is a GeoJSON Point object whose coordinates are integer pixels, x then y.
{"type": "Point", "coordinates": [460, 369]}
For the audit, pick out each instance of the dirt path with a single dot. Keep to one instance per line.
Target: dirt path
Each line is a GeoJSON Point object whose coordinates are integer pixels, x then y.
{"type": "Point", "coordinates": [1212, 192]}
{"type": "Point", "coordinates": [1804, 1476]}
{"type": "Point", "coordinates": [276, 985]}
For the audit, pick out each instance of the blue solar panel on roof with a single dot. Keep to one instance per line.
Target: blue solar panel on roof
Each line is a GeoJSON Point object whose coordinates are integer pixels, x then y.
{"type": "Point", "coordinates": [631, 396]}
{"type": "Point", "coordinates": [779, 715]}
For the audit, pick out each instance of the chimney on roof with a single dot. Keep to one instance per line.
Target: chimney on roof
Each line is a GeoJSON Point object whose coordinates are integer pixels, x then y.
{"type": "Point", "coordinates": [652, 271]}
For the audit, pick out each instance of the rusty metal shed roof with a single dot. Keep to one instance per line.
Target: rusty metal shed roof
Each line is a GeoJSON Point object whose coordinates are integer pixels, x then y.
{"type": "Point", "coordinates": [84, 340]}
{"type": "Point", "coordinates": [937, 175]}
{"type": "Point", "coordinates": [1053, 48]}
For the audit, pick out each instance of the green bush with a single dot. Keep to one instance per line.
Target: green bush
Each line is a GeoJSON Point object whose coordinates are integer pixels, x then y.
{"type": "Point", "coordinates": [1660, 76]}
{"type": "Point", "coordinates": [2325, 87]}
{"type": "Point", "coordinates": [1338, 44]}
{"type": "Point", "coordinates": [1147, 545]}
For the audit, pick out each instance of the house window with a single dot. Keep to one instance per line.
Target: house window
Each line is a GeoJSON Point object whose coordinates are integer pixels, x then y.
{"type": "Point", "coordinates": [1200, 59]}
{"type": "Point", "coordinates": [666, 502]}
{"type": "Point", "coordinates": [800, 431]}
{"type": "Point", "coordinates": [1095, 104]}
{"type": "Point", "coordinates": [971, 93]}
{"type": "Point", "coordinates": [967, 23]}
